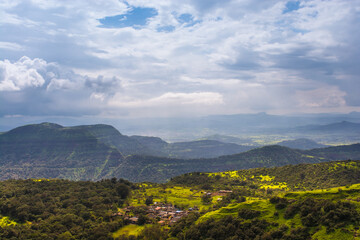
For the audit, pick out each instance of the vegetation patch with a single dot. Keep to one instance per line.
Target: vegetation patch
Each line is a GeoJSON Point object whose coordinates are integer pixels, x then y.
{"type": "Point", "coordinates": [128, 230]}
{"type": "Point", "coordinates": [6, 221]}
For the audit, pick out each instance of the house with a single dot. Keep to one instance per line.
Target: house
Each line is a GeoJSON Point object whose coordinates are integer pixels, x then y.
{"type": "Point", "coordinates": [134, 220]}
{"type": "Point", "coordinates": [222, 193]}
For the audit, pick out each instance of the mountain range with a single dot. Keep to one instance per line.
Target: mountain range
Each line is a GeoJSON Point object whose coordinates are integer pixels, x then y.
{"type": "Point", "coordinates": [93, 152]}
{"type": "Point", "coordinates": [187, 128]}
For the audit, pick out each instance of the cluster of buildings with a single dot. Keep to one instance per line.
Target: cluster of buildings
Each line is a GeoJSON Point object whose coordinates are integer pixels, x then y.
{"type": "Point", "coordinates": [164, 214]}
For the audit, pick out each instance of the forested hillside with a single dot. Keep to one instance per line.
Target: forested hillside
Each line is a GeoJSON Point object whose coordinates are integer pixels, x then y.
{"type": "Point", "coordinates": [60, 209]}
{"type": "Point", "coordinates": [49, 150]}
{"type": "Point", "coordinates": [306, 201]}
{"type": "Point", "coordinates": [145, 168]}
{"type": "Point", "coordinates": [301, 143]}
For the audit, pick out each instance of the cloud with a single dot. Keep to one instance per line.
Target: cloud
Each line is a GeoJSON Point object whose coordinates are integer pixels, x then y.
{"type": "Point", "coordinates": [36, 87]}
{"type": "Point", "coordinates": [208, 57]}
{"type": "Point", "coordinates": [10, 46]}
{"type": "Point", "coordinates": [22, 74]}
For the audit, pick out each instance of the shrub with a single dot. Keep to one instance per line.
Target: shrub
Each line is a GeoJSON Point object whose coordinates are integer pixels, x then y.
{"type": "Point", "coordinates": [248, 213]}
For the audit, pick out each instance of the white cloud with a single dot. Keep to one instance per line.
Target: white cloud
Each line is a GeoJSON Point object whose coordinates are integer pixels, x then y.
{"type": "Point", "coordinates": [11, 46]}
{"type": "Point", "coordinates": [242, 55]}
{"type": "Point", "coordinates": [22, 74]}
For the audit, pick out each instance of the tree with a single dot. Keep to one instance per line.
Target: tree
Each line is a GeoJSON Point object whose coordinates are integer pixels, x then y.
{"type": "Point", "coordinates": [122, 190]}
{"type": "Point", "coordinates": [153, 232]}
{"type": "Point", "coordinates": [149, 200]}
{"type": "Point", "coordinates": [206, 199]}
{"type": "Point", "coordinates": [142, 219]}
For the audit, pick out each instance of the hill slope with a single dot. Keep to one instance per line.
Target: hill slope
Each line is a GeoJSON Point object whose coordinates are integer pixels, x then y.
{"type": "Point", "coordinates": [301, 143]}
{"type": "Point", "coordinates": [306, 201]}
{"type": "Point", "coordinates": [189, 150]}
{"type": "Point", "coordinates": [50, 150]}
{"type": "Point", "coordinates": [291, 177]}
{"type": "Point", "coordinates": [342, 127]}
{"type": "Point", "coordinates": [155, 169]}
{"type": "Point", "coordinates": [112, 137]}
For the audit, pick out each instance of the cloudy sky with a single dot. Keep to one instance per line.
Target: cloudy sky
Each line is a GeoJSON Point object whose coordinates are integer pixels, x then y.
{"type": "Point", "coordinates": [169, 58]}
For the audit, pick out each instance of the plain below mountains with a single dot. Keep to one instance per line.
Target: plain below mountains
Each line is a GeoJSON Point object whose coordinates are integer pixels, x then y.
{"type": "Point", "coordinates": [93, 152]}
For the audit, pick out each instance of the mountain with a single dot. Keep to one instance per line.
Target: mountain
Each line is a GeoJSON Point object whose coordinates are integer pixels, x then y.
{"type": "Point", "coordinates": [189, 150]}
{"type": "Point", "coordinates": [157, 169]}
{"type": "Point", "coordinates": [301, 143]}
{"type": "Point", "coordinates": [204, 149]}
{"type": "Point", "coordinates": [156, 144]}
{"type": "Point", "coordinates": [86, 152]}
{"type": "Point", "coordinates": [110, 136]}
{"type": "Point", "coordinates": [184, 128]}
{"type": "Point", "coordinates": [229, 139]}
{"type": "Point", "coordinates": [339, 127]}
{"type": "Point", "coordinates": [338, 152]}
{"type": "Point", "coordinates": [50, 150]}
{"type": "Point", "coordinates": [93, 152]}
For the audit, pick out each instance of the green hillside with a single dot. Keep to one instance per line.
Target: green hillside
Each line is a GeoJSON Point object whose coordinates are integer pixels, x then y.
{"type": "Point", "coordinates": [189, 150]}
{"type": "Point", "coordinates": [155, 169]}
{"type": "Point", "coordinates": [52, 151]}
{"type": "Point", "coordinates": [60, 209]}
{"type": "Point", "coordinates": [289, 177]}
{"type": "Point", "coordinates": [301, 143]}
{"type": "Point", "coordinates": [110, 136]}
{"type": "Point", "coordinates": [305, 201]}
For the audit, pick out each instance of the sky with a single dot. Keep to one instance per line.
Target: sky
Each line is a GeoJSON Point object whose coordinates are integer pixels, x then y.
{"type": "Point", "coordinates": [171, 58]}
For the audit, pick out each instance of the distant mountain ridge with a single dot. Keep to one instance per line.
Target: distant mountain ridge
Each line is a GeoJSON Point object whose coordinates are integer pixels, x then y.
{"type": "Point", "coordinates": [145, 168]}
{"type": "Point", "coordinates": [301, 143]}
{"type": "Point", "coordinates": [192, 149]}
{"type": "Point", "coordinates": [343, 126]}
{"type": "Point", "coordinates": [93, 152]}
{"type": "Point", "coordinates": [229, 139]}
{"type": "Point", "coordinates": [184, 128]}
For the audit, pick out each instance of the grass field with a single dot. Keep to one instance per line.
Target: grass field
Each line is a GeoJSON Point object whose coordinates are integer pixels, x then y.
{"type": "Point", "coordinates": [271, 214]}
{"type": "Point", "coordinates": [128, 230]}
{"type": "Point", "coordinates": [183, 197]}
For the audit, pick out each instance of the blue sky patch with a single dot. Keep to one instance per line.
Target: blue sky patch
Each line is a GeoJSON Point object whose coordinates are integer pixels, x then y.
{"type": "Point", "coordinates": [187, 19]}
{"type": "Point", "coordinates": [291, 6]}
{"type": "Point", "coordinates": [168, 28]}
{"type": "Point", "coordinates": [297, 30]}
{"type": "Point", "coordinates": [136, 17]}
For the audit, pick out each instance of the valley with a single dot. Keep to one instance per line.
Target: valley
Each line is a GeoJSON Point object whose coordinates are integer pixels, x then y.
{"type": "Point", "coordinates": [92, 182]}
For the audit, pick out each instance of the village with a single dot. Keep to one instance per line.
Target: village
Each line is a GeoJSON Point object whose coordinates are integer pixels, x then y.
{"type": "Point", "coordinates": [162, 213]}
{"type": "Point", "coordinates": [165, 214]}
